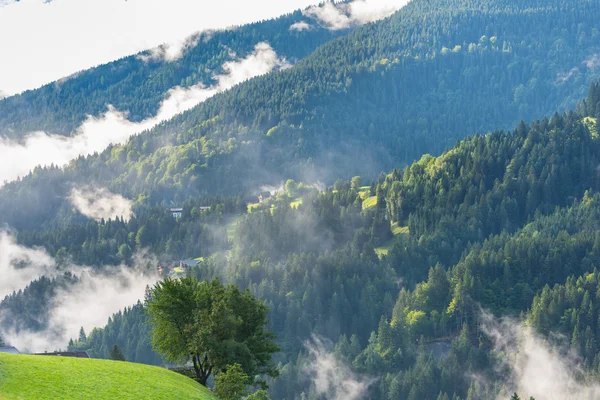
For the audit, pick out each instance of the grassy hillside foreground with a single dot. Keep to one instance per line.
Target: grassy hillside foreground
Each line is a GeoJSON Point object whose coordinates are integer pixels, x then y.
{"type": "Point", "coordinates": [45, 377]}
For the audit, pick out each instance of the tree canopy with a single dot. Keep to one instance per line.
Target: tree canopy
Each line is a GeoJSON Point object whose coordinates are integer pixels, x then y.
{"type": "Point", "coordinates": [211, 325]}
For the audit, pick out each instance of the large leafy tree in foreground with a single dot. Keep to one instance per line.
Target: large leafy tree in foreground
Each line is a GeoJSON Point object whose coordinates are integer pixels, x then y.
{"type": "Point", "coordinates": [213, 325]}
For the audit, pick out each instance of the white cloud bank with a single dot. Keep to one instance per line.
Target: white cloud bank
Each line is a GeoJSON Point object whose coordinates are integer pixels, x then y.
{"type": "Point", "coordinates": [42, 42]}
{"type": "Point", "coordinates": [95, 134]}
{"type": "Point", "coordinates": [300, 26]}
{"type": "Point", "coordinates": [331, 378]}
{"type": "Point", "coordinates": [20, 265]}
{"type": "Point", "coordinates": [88, 303]}
{"type": "Point", "coordinates": [539, 369]}
{"type": "Point", "coordinates": [342, 16]}
{"type": "Point", "coordinates": [175, 50]}
{"type": "Point", "coordinates": [99, 203]}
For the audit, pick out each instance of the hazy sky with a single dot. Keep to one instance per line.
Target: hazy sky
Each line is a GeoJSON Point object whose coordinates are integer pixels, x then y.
{"type": "Point", "coordinates": [43, 41]}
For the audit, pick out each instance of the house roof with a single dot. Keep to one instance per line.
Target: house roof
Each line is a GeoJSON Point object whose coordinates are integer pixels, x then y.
{"type": "Point", "coordinates": [9, 349]}
{"type": "Point", "coordinates": [176, 209]}
{"type": "Point", "coordinates": [76, 354]}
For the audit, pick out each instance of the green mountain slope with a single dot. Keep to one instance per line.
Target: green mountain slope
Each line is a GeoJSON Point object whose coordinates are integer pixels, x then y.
{"type": "Point", "coordinates": [137, 86]}
{"type": "Point", "coordinates": [46, 377]}
{"type": "Point", "coordinates": [377, 98]}
{"type": "Point", "coordinates": [489, 224]}
{"type": "Point", "coordinates": [463, 260]}
{"type": "Point", "coordinates": [493, 222]}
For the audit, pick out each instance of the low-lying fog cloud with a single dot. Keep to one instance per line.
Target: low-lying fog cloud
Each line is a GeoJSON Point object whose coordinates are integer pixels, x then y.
{"type": "Point", "coordinates": [300, 26]}
{"type": "Point", "coordinates": [88, 303]}
{"type": "Point", "coordinates": [173, 51]}
{"type": "Point", "coordinates": [20, 265]}
{"type": "Point", "coordinates": [274, 190]}
{"type": "Point", "coordinates": [99, 203]}
{"type": "Point", "coordinates": [589, 65]}
{"type": "Point", "coordinates": [95, 134]}
{"type": "Point", "coordinates": [331, 377]}
{"type": "Point", "coordinates": [539, 368]}
{"type": "Point", "coordinates": [592, 62]}
{"type": "Point", "coordinates": [342, 16]}
{"type": "Point", "coordinates": [44, 41]}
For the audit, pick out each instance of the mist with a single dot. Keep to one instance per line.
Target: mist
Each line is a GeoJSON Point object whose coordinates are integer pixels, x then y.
{"type": "Point", "coordinates": [88, 303]}
{"type": "Point", "coordinates": [274, 190]}
{"type": "Point", "coordinates": [300, 26]}
{"type": "Point", "coordinates": [592, 62]}
{"type": "Point", "coordinates": [20, 265]}
{"type": "Point", "coordinates": [331, 377]}
{"type": "Point", "coordinates": [17, 158]}
{"type": "Point", "coordinates": [39, 44]}
{"type": "Point", "coordinates": [538, 368]}
{"type": "Point", "coordinates": [563, 77]}
{"type": "Point", "coordinates": [173, 51]}
{"type": "Point", "coordinates": [99, 203]}
{"type": "Point", "coordinates": [343, 16]}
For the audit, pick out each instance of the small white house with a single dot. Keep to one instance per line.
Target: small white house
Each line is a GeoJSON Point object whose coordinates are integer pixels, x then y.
{"type": "Point", "coordinates": [177, 212]}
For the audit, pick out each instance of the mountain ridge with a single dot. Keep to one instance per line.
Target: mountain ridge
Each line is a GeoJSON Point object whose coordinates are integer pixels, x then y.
{"type": "Point", "coordinates": [137, 84]}
{"type": "Point", "coordinates": [308, 122]}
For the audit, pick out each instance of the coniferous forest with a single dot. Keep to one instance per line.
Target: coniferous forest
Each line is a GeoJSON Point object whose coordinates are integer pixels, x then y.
{"type": "Point", "coordinates": [438, 195]}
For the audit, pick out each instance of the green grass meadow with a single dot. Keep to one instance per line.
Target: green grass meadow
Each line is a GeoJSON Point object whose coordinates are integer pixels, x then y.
{"type": "Point", "coordinates": [53, 378]}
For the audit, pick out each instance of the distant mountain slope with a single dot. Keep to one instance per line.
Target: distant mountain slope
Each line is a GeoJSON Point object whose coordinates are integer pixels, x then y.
{"type": "Point", "coordinates": [137, 84]}
{"type": "Point", "coordinates": [487, 224]}
{"type": "Point", "coordinates": [49, 377]}
{"type": "Point", "coordinates": [367, 102]}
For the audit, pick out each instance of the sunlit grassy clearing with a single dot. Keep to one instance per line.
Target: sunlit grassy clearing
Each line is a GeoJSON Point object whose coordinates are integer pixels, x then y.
{"type": "Point", "coordinates": [396, 230]}
{"type": "Point", "coordinates": [47, 377]}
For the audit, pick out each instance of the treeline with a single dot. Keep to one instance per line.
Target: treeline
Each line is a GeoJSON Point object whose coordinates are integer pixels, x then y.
{"type": "Point", "coordinates": [494, 223]}
{"type": "Point", "coordinates": [504, 221]}
{"type": "Point", "coordinates": [373, 100]}
{"type": "Point", "coordinates": [29, 308]}
{"type": "Point", "coordinates": [139, 83]}
{"type": "Point", "coordinates": [200, 232]}
{"type": "Point", "coordinates": [128, 329]}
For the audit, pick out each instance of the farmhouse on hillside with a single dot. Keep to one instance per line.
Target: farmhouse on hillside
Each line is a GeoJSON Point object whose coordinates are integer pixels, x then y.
{"type": "Point", "coordinates": [176, 212]}
{"type": "Point", "coordinates": [9, 350]}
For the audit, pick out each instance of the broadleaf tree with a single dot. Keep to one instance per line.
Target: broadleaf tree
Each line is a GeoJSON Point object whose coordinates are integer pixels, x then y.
{"type": "Point", "coordinates": [212, 326]}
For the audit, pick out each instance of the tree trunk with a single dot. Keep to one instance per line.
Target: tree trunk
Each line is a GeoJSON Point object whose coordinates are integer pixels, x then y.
{"type": "Point", "coordinates": [201, 378]}
{"type": "Point", "coordinates": [202, 372]}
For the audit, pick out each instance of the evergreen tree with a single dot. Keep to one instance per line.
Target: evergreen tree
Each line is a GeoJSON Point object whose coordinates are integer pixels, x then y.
{"type": "Point", "coordinates": [116, 354]}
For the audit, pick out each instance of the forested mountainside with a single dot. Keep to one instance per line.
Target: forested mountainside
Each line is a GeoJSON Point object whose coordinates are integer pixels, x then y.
{"type": "Point", "coordinates": [372, 100]}
{"type": "Point", "coordinates": [505, 222]}
{"type": "Point", "coordinates": [137, 84]}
